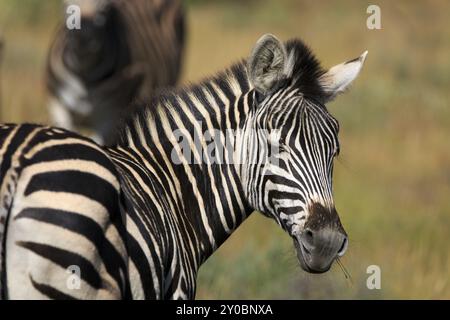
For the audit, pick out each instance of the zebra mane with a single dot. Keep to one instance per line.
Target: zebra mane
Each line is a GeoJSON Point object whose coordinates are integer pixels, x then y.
{"type": "Point", "coordinates": [166, 98]}
{"type": "Point", "coordinates": [306, 71]}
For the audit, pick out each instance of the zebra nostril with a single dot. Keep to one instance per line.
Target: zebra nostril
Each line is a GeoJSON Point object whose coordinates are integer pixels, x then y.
{"type": "Point", "coordinates": [343, 247]}
{"type": "Point", "coordinates": [309, 236]}
{"type": "Point", "coordinates": [307, 241]}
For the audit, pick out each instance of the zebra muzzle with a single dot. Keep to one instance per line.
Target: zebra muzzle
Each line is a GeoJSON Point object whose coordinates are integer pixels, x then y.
{"type": "Point", "coordinates": [321, 242]}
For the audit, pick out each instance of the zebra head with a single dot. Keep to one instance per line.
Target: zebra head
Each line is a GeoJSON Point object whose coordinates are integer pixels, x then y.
{"type": "Point", "coordinates": [294, 141]}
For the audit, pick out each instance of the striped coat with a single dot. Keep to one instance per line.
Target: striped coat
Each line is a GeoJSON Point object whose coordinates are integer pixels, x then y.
{"type": "Point", "coordinates": [137, 220]}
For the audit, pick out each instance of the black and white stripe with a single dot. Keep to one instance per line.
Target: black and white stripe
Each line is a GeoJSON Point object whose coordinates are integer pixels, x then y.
{"type": "Point", "coordinates": [140, 218]}
{"type": "Point", "coordinates": [125, 50]}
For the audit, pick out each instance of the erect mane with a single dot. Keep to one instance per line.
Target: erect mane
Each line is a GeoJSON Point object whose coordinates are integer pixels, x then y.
{"type": "Point", "coordinates": [305, 76]}
{"type": "Point", "coordinates": [166, 97]}
{"type": "Point", "coordinates": [306, 69]}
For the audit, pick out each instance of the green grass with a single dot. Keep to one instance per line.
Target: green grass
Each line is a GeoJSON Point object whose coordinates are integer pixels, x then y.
{"type": "Point", "coordinates": [392, 179]}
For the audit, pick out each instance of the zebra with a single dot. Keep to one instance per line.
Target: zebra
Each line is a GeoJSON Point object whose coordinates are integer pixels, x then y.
{"type": "Point", "coordinates": [139, 218]}
{"type": "Point", "coordinates": [124, 50]}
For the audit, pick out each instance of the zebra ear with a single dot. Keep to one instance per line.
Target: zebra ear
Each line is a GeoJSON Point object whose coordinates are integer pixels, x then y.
{"type": "Point", "coordinates": [337, 79]}
{"type": "Point", "coordinates": [267, 64]}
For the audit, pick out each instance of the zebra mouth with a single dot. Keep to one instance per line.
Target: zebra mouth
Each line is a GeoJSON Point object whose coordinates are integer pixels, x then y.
{"type": "Point", "coordinates": [303, 253]}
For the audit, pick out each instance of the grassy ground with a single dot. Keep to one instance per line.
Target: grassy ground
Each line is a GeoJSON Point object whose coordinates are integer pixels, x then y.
{"type": "Point", "coordinates": [392, 179]}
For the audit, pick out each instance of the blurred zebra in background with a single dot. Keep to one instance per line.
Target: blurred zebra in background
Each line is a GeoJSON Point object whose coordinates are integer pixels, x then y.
{"type": "Point", "coordinates": [125, 49]}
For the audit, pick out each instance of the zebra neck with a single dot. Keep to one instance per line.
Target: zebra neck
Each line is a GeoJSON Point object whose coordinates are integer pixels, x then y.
{"type": "Point", "coordinates": [190, 138]}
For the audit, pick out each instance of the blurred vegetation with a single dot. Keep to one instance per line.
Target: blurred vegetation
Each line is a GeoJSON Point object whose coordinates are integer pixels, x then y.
{"type": "Point", "coordinates": [392, 179]}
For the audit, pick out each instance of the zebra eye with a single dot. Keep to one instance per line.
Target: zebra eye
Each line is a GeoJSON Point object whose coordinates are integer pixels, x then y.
{"type": "Point", "coordinates": [282, 146]}
{"type": "Point", "coordinates": [259, 97]}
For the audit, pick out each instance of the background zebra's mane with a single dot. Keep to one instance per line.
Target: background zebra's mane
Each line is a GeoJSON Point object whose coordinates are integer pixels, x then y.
{"type": "Point", "coordinates": [305, 77]}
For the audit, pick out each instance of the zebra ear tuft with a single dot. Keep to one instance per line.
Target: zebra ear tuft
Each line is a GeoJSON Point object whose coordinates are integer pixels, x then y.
{"type": "Point", "coordinates": [267, 64]}
{"type": "Point", "coordinates": [338, 78]}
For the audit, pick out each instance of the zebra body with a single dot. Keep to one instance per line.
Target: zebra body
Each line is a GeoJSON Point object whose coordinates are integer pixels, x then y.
{"type": "Point", "coordinates": [67, 206]}
{"type": "Point", "coordinates": [140, 218]}
{"type": "Point", "coordinates": [79, 195]}
{"type": "Point", "coordinates": [124, 50]}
